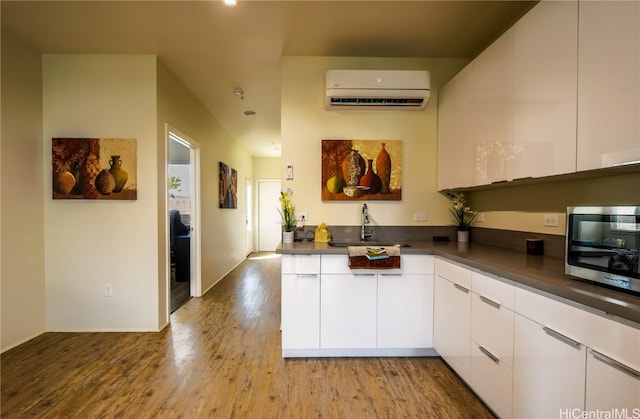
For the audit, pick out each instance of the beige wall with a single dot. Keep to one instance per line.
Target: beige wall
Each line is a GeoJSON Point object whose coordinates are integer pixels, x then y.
{"type": "Point", "coordinates": [222, 238]}
{"type": "Point", "coordinates": [266, 167]}
{"type": "Point", "coordinates": [92, 243]}
{"type": "Point", "coordinates": [305, 123]}
{"type": "Point", "coordinates": [22, 282]}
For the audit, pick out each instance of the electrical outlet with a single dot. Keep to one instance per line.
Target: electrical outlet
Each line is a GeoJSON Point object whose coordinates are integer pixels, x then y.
{"type": "Point", "coordinates": [480, 217]}
{"type": "Point", "coordinates": [551, 220]}
{"type": "Point", "coordinates": [108, 290]}
{"type": "Point", "coordinates": [420, 217]}
{"type": "Point", "coordinates": [302, 216]}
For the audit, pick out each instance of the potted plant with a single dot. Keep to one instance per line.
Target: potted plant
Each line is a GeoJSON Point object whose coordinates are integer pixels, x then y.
{"type": "Point", "coordinates": [287, 214]}
{"type": "Point", "coordinates": [463, 216]}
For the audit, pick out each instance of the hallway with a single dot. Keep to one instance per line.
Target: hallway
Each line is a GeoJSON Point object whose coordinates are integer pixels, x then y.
{"type": "Point", "coordinates": [221, 358]}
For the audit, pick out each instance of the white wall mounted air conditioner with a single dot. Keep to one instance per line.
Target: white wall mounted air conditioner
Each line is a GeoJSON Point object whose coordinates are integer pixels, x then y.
{"type": "Point", "coordinates": [377, 89]}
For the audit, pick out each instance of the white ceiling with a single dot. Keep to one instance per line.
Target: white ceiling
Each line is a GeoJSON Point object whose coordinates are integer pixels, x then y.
{"type": "Point", "coordinates": [213, 48]}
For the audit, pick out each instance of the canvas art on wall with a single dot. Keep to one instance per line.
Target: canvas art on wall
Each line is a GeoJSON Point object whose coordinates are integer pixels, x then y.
{"type": "Point", "coordinates": [94, 168]}
{"type": "Point", "coordinates": [228, 186]}
{"type": "Point", "coordinates": [361, 170]}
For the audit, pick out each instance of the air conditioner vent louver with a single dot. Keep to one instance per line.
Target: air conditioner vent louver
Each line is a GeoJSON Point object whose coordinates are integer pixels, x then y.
{"type": "Point", "coordinates": [377, 89]}
{"type": "Point", "coordinates": [359, 101]}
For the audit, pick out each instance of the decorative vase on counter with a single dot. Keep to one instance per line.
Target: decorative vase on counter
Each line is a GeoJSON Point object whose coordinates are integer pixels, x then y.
{"type": "Point", "coordinates": [287, 237]}
{"type": "Point", "coordinates": [463, 236]}
{"type": "Point", "coordinates": [353, 167]}
{"type": "Point", "coordinates": [383, 168]}
{"type": "Point", "coordinates": [371, 180]}
{"type": "Point", "coordinates": [119, 174]}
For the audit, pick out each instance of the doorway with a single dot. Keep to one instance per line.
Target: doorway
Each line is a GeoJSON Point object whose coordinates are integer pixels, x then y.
{"type": "Point", "coordinates": [269, 225]}
{"type": "Point", "coordinates": [183, 181]}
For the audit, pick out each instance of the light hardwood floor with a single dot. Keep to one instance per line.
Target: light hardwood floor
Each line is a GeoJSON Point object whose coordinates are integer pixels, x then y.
{"type": "Point", "coordinates": [221, 358]}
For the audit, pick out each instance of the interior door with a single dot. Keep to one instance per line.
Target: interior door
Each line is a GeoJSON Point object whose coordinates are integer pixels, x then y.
{"type": "Point", "coordinates": [269, 225]}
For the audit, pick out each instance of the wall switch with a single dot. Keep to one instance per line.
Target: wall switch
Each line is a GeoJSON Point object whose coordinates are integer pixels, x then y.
{"type": "Point", "coordinates": [551, 220]}
{"type": "Point", "coordinates": [108, 290]}
{"type": "Point", "coordinates": [480, 217]}
{"type": "Point", "coordinates": [420, 216]}
{"type": "Point", "coordinates": [289, 171]}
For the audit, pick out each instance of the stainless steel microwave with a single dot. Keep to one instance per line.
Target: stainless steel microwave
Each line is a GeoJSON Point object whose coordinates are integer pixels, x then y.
{"type": "Point", "coordinates": [602, 245]}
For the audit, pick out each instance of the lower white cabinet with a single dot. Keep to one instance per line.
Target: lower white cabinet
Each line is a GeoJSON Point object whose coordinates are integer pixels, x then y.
{"type": "Point", "coordinates": [405, 311]}
{"type": "Point", "coordinates": [452, 323]}
{"type": "Point", "coordinates": [330, 310]}
{"type": "Point", "coordinates": [300, 316]}
{"type": "Point", "coordinates": [611, 385]}
{"type": "Point", "coordinates": [491, 379]}
{"type": "Point", "coordinates": [548, 373]}
{"type": "Point", "coordinates": [348, 311]}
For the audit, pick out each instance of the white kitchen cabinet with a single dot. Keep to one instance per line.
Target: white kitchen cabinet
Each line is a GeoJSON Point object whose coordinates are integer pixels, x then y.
{"type": "Point", "coordinates": [613, 366]}
{"type": "Point", "coordinates": [452, 316]}
{"type": "Point", "coordinates": [492, 324]}
{"type": "Point", "coordinates": [405, 311]}
{"type": "Point", "coordinates": [545, 59]}
{"type": "Point", "coordinates": [549, 356]}
{"type": "Point", "coordinates": [511, 112]}
{"type": "Point", "coordinates": [348, 310]}
{"type": "Point", "coordinates": [609, 84]}
{"type": "Point", "coordinates": [300, 302]}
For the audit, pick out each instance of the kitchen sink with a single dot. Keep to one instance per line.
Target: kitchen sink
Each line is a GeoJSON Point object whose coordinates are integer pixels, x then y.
{"type": "Point", "coordinates": [369, 243]}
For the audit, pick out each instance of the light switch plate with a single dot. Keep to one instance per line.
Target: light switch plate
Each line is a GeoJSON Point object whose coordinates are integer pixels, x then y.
{"type": "Point", "coordinates": [551, 220]}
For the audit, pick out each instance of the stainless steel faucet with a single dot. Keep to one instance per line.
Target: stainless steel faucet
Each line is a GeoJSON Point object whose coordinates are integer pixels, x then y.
{"type": "Point", "coordinates": [364, 221]}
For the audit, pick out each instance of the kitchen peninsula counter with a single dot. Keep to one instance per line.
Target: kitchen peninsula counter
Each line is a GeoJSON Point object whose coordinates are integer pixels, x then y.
{"type": "Point", "coordinates": [541, 273]}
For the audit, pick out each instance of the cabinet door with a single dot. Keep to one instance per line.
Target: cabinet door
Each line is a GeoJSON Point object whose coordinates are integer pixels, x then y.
{"type": "Point", "coordinates": [544, 92]}
{"type": "Point", "coordinates": [300, 311]}
{"type": "Point", "coordinates": [548, 371]}
{"type": "Point", "coordinates": [611, 384]}
{"type": "Point", "coordinates": [609, 88]}
{"type": "Point", "coordinates": [348, 311]}
{"type": "Point", "coordinates": [491, 379]}
{"type": "Point", "coordinates": [405, 311]}
{"type": "Point", "coordinates": [452, 324]}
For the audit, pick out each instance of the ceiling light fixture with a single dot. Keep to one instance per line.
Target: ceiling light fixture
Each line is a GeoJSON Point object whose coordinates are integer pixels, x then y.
{"type": "Point", "coordinates": [250, 113]}
{"type": "Point", "coordinates": [229, 3]}
{"type": "Point", "coordinates": [239, 92]}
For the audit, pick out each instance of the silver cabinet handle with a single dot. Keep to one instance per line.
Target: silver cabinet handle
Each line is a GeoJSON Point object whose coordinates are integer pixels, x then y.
{"type": "Point", "coordinates": [490, 302]}
{"type": "Point", "coordinates": [461, 288]}
{"type": "Point", "coordinates": [489, 354]}
{"type": "Point", "coordinates": [307, 275]}
{"type": "Point", "coordinates": [615, 364]}
{"type": "Point", "coordinates": [561, 337]}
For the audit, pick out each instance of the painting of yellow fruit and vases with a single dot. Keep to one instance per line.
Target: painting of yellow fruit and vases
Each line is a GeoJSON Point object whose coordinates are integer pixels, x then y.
{"type": "Point", "coordinates": [94, 168]}
{"type": "Point", "coordinates": [361, 170]}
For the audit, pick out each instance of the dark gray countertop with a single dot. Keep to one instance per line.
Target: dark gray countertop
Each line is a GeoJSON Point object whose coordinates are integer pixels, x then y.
{"type": "Point", "coordinates": [541, 273]}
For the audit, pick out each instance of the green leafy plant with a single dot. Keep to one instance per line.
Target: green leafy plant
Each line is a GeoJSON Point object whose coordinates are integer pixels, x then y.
{"type": "Point", "coordinates": [287, 212]}
{"type": "Point", "coordinates": [463, 216]}
{"type": "Point", "coordinates": [174, 183]}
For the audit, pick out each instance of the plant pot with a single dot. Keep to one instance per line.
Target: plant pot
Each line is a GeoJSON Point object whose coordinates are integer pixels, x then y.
{"type": "Point", "coordinates": [463, 236]}
{"type": "Point", "coordinates": [287, 237]}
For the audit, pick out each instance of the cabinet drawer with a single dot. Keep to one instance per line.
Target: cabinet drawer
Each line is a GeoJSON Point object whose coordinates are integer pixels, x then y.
{"type": "Point", "coordinates": [492, 380]}
{"type": "Point", "coordinates": [454, 273]}
{"type": "Point", "coordinates": [614, 340]}
{"type": "Point", "coordinates": [335, 264]}
{"type": "Point", "coordinates": [492, 327]}
{"type": "Point", "coordinates": [300, 264]}
{"type": "Point", "coordinates": [557, 316]}
{"type": "Point", "coordinates": [494, 290]}
{"type": "Point", "coordinates": [417, 264]}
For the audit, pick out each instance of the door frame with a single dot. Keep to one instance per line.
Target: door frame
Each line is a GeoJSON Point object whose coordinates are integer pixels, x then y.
{"type": "Point", "coordinates": [195, 243]}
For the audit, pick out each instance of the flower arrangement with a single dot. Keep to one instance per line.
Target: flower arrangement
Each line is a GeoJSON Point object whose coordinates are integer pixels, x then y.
{"type": "Point", "coordinates": [287, 213]}
{"type": "Point", "coordinates": [463, 216]}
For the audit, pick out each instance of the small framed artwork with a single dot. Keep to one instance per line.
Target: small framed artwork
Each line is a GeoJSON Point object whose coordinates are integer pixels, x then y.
{"type": "Point", "coordinates": [94, 168]}
{"type": "Point", "coordinates": [228, 183]}
{"type": "Point", "coordinates": [361, 170]}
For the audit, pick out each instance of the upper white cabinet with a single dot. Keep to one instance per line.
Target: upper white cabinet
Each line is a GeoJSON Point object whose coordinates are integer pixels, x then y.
{"type": "Point", "coordinates": [609, 84]}
{"type": "Point", "coordinates": [511, 112]}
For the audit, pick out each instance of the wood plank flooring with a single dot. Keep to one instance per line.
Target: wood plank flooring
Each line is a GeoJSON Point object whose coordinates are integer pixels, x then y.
{"type": "Point", "coordinates": [221, 358]}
